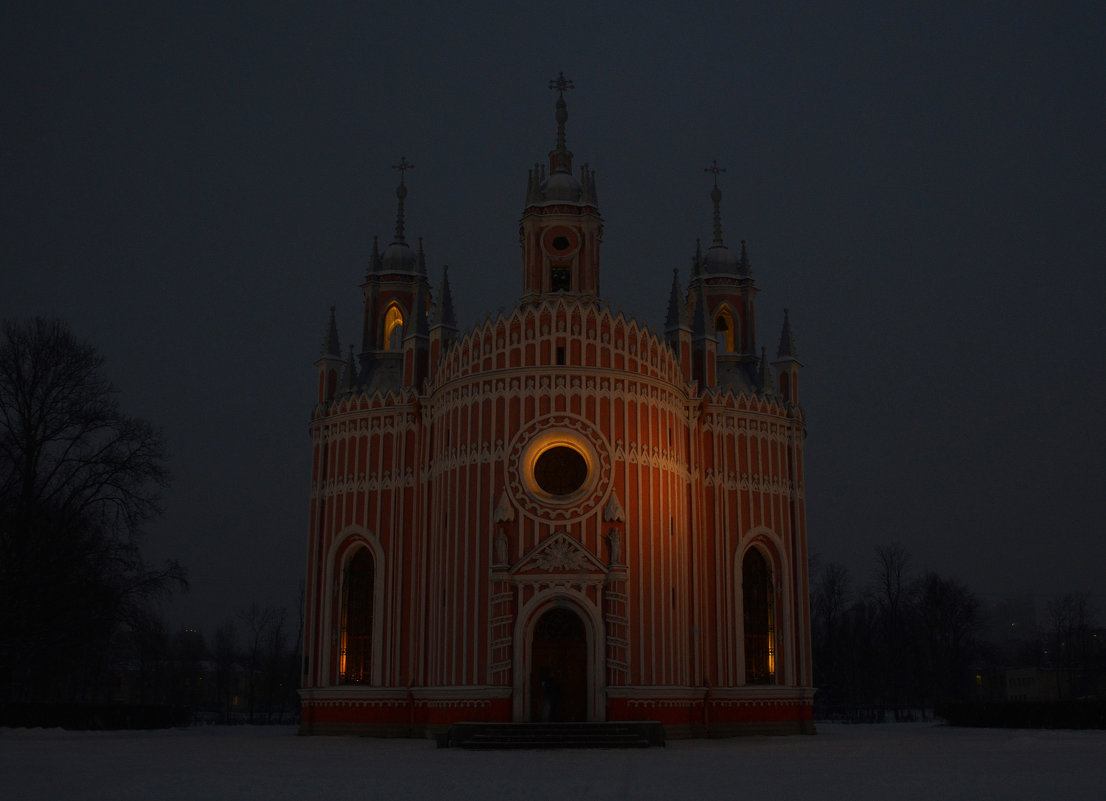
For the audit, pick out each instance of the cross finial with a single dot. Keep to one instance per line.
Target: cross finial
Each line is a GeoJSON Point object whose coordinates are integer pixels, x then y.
{"type": "Point", "coordinates": [560, 158]}
{"type": "Point", "coordinates": [403, 166]}
{"type": "Point", "coordinates": [561, 83]}
{"type": "Point", "coordinates": [401, 192]}
{"type": "Point", "coordinates": [714, 168]}
{"type": "Point", "coordinates": [716, 197]}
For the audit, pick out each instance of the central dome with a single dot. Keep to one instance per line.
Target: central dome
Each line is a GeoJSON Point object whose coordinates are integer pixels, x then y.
{"type": "Point", "coordinates": [562, 186]}
{"type": "Point", "coordinates": [399, 258]}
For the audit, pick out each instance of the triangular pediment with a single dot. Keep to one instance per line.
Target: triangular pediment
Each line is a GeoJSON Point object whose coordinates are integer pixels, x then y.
{"type": "Point", "coordinates": [559, 553]}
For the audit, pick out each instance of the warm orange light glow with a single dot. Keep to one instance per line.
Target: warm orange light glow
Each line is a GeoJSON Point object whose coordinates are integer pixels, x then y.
{"type": "Point", "coordinates": [393, 328]}
{"type": "Point", "coordinates": [724, 330]}
{"type": "Point", "coordinates": [355, 638]}
{"type": "Point", "coordinates": [559, 480]}
{"type": "Point", "coordinates": [758, 600]}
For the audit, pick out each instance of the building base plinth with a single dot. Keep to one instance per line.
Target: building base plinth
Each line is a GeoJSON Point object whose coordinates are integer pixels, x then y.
{"type": "Point", "coordinates": [683, 711]}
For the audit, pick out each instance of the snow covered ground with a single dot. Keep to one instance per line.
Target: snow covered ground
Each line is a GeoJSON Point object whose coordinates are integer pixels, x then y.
{"type": "Point", "coordinates": [893, 761]}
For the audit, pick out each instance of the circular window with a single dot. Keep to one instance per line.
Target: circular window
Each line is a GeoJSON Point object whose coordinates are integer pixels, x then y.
{"type": "Point", "coordinates": [560, 470]}
{"type": "Point", "coordinates": [560, 241]}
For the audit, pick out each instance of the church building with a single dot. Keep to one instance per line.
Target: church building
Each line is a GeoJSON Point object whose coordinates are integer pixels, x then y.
{"type": "Point", "coordinates": [558, 514]}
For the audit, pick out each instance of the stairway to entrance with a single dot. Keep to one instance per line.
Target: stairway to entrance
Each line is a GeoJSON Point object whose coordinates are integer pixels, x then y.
{"type": "Point", "coordinates": [613, 734]}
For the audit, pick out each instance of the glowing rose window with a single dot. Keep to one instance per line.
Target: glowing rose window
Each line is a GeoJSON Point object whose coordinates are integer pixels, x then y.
{"type": "Point", "coordinates": [560, 470]}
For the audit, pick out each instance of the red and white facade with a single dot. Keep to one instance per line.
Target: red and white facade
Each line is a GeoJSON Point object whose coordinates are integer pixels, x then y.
{"type": "Point", "coordinates": [557, 515]}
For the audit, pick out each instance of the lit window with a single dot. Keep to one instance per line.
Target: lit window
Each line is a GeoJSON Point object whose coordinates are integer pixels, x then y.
{"type": "Point", "coordinates": [355, 654]}
{"type": "Point", "coordinates": [724, 331]}
{"type": "Point", "coordinates": [759, 617]}
{"type": "Point", "coordinates": [393, 328]}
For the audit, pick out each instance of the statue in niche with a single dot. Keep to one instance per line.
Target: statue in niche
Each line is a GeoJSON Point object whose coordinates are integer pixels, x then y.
{"type": "Point", "coordinates": [614, 544]}
{"type": "Point", "coordinates": [501, 547]}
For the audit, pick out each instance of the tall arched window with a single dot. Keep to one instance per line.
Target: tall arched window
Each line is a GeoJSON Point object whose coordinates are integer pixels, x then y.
{"type": "Point", "coordinates": [760, 631]}
{"type": "Point", "coordinates": [393, 328]}
{"type": "Point", "coordinates": [356, 641]}
{"type": "Point", "coordinates": [724, 332]}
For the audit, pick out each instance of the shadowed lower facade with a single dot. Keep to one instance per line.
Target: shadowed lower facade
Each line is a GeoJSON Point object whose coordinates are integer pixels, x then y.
{"type": "Point", "coordinates": [557, 515]}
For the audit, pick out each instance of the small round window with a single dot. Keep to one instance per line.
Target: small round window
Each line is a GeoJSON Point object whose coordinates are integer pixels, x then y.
{"type": "Point", "coordinates": [560, 470]}
{"type": "Point", "coordinates": [560, 243]}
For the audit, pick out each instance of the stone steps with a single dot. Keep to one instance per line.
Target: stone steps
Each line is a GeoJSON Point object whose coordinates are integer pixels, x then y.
{"type": "Point", "coordinates": [615, 734]}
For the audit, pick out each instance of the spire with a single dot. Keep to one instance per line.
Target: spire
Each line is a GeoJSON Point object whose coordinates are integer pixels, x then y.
{"type": "Point", "coordinates": [330, 341]}
{"type": "Point", "coordinates": [560, 160]}
{"type": "Point", "coordinates": [677, 310]}
{"type": "Point", "coordinates": [699, 322]}
{"type": "Point", "coordinates": [422, 310]}
{"type": "Point", "coordinates": [444, 313]}
{"type": "Point", "coordinates": [588, 193]}
{"type": "Point", "coordinates": [401, 193]}
{"type": "Point", "coordinates": [787, 340]}
{"type": "Point", "coordinates": [765, 375]}
{"type": "Point", "coordinates": [716, 197]}
{"type": "Point", "coordinates": [422, 259]}
{"type": "Point", "coordinates": [375, 261]}
{"type": "Point", "coordinates": [349, 380]}
{"type": "Point", "coordinates": [744, 267]}
{"type": "Point", "coordinates": [697, 259]}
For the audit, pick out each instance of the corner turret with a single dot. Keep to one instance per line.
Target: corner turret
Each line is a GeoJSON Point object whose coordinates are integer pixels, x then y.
{"type": "Point", "coordinates": [787, 363]}
{"type": "Point", "coordinates": [393, 284]}
{"type": "Point", "coordinates": [722, 287]}
{"type": "Point", "coordinates": [329, 362]}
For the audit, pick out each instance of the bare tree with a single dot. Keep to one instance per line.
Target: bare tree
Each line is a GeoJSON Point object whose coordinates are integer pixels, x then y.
{"type": "Point", "coordinates": [278, 668]}
{"type": "Point", "coordinates": [224, 651]}
{"type": "Point", "coordinates": [78, 479]}
{"type": "Point", "coordinates": [1071, 618]}
{"type": "Point", "coordinates": [949, 615]}
{"type": "Point", "coordinates": [260, 624]}
{"type": "Point", "coordinates": [830, 600]}
{"type": "Point", "coordinates": [892, 594]}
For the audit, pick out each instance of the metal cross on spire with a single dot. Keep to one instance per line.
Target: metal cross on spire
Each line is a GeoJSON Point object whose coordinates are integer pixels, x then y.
{"type": "Point", "coordinates": [561, 83]}
{"type": "Point", "coordinates": [401, 192]}
{"type": "Point", "coordinates": [403, 166]}
{"type": "Point", "coordinates": [714, 168]}
{"type": "Point", "coordinates": [716, 197]}
{"type": "Point", "coordinates": [563, 159]}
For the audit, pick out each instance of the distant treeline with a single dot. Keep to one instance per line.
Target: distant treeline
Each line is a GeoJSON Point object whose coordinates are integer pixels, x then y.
{"type": "Point", "coordinates": [150, 677]}
{"type": "Point", "coordinates": [1081, 714]}
{"type": "Point", "coordinates": [94, 716]}
{"type": "Point", "coordinates": [905, 644]}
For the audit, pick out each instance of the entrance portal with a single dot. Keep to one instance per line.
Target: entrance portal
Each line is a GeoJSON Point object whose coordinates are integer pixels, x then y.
{"type": "Point", "coordinates": [559, 668]}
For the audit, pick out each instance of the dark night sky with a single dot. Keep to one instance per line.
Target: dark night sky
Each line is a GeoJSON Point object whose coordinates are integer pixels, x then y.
{"type": "Point", "coordinates": [193, 187]}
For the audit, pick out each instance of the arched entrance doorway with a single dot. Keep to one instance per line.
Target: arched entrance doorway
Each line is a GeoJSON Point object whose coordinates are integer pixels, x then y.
{"type": "Point", "coordinates": [559, 668]}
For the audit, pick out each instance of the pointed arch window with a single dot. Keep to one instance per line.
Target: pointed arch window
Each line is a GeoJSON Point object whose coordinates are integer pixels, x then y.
{"type": "Point", "coordinates": [356, 639]}
{"type": "Point", "coordinates": [758, 603]}
{"type": "Point", "coordinates": [393, 328]}
{"type": "Point", "coordinates": [724, 332]}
